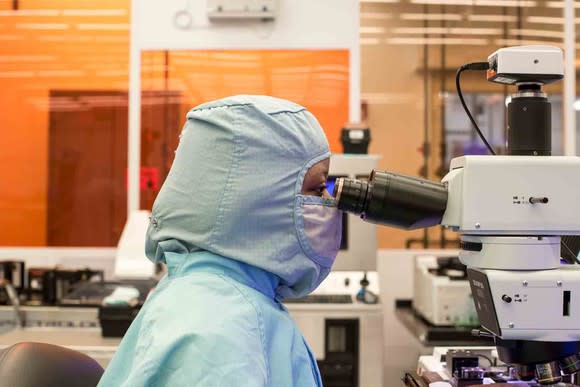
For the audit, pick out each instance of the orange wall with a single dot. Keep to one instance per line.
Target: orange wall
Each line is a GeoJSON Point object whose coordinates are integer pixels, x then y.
{"type": "Point", "coordinates": [67, 51]}
{"type": "Point", "coordinates": [318, 80]}
{"type": "Point", "coordinates": [22, 167]}
{"type": "Point", "coordinates": [38, 53]}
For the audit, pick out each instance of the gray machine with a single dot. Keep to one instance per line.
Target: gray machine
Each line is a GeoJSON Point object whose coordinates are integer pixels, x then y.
{"type": "Point", "coordinates": [511, 212]}
{"type": "Point", "coordinates": [441, 292]}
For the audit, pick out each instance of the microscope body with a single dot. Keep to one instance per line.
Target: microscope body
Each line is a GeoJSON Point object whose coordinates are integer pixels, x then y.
{"type": "Point", "coordinates": [513, 195]}
{"type": "Point", "coordinates": [511, 212]}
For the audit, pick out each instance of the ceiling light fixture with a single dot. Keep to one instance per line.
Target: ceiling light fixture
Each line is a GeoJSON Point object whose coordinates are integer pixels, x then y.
{"type": "Point", "coordinates": [103, 26]}
{"type": "Point", "coordinates": [369, 41]}
{"type": "Point", "coordinates": [63, 12]}
{"type": "Point", "coordinates": [42, 26]}
{"type": "Point", "coordinates": [16, 74]}
{"type": "Point", "coordinates": [447, 30]}
{"type": "Point", "coordinates": [488, 3]}
{"type": "Point", "coordinates": [537, 33]}
{"type": "Point", "coordinates": [372, 30]}
{"type": "Point", "coordinates": [431, 16]}
{"type": "Point", "coordinates": [437, 41]}
{"type": "Point", "coordinates": [560, 4]}
{"type": "Point", "coordinates": [547, 20]}
{"type": "Point", "coordinates": [492, 18]}
{"type": "Point", "coordinates": [520, 42]}
{"type": "Point", "coordinates": [376, 15]}
{"type": "Point", "coordinates": [29, 12]}
{"type": "Point", "coordinates": [94, 12]}
{"type": "Point", "coordinates": [26, 58]}
{"type": "Point", "coordinates": [380, 1]}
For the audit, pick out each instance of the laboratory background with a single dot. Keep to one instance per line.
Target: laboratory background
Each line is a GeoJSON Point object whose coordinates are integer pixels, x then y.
{"type": "Point", "coordinates": [452, 271]}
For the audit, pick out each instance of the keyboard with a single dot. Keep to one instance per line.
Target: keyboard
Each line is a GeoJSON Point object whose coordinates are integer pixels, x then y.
{"type": "Point", "coordinates": [321, 299]}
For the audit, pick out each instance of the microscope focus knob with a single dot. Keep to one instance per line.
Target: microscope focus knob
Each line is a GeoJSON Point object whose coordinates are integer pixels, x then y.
{"type": "Point", "coordinates": [506, 298]}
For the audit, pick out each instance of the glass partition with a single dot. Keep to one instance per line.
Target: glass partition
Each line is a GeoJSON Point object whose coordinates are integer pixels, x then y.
{"type": "Point", "coordinates": [410, 51]}
{"type": "Point", "coordinates": [64, 82]}
{"type": "Point", "coordinates": [176, 81]}
{"type": "Point", "coordinates": [63, 93]}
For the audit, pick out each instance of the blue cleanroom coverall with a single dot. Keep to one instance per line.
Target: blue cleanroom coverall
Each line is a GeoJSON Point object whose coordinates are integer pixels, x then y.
{"type": "Point", "coordinates": [236, 236]}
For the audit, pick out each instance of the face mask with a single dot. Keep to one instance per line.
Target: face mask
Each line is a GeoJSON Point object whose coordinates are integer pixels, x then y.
{"type": "Point", "coordinates": [319, 226]}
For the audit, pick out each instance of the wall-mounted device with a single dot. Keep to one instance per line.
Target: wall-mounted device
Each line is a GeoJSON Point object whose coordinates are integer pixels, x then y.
{"type": "Point", "coordinates": [242, 9]}
{"type": "Point", "coordinates": [355, 139]}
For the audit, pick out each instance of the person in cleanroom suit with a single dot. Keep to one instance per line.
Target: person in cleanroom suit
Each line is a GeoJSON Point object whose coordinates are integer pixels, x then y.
{"type": "Point", "coordinates": [242, 222]}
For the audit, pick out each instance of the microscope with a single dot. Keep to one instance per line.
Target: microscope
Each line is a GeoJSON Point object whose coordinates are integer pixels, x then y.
{"type": "Point", "coordinates": [511, 212]}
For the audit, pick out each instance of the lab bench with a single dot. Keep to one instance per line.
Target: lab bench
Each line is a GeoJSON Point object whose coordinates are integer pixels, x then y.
{"type": "Point", "coordinates": [323, 326]}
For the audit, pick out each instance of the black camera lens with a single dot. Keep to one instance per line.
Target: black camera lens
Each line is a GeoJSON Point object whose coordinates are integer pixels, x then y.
{"type": "Point", "coordinates": [393, 199]}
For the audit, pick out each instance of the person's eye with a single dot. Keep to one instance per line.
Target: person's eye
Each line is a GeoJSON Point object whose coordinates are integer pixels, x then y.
{"type": "Point", "coordinates": [320, 190]}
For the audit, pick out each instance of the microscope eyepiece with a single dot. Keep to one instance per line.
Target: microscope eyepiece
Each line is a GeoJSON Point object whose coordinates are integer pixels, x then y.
{"type": "Point", "coordinates": [351, 195]}
{"type": "Point", "coordinates": [393, 199]}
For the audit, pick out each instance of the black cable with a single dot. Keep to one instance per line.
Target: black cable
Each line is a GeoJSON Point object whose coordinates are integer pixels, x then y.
{"type": "Point", "coordinates": [479, 66]}
{"type": "Point", "coordinates": [573, 260]}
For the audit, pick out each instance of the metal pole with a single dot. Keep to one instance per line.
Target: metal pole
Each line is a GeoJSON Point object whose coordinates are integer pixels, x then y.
{"type": "Point", "coordinates": [354, 113]}
{"type": "Point", "coordinates": [426, 143]}
{"type": "Point", "coordinates": [134, 132]}
{"type": "Point", "coordinates": [505, 88]}
{"type": "Point", "coordinates": [426, 150]}
{"type": "Point", "coordinates": [443, 92]}
{"type": "Point", "coordinates": [569, 79]}
{"type": "Point", "coordinates": [166, 129]}
{"type": "Point", "coordinates": [443, 143]}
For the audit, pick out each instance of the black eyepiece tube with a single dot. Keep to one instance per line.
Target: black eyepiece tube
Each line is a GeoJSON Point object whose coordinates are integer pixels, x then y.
{"type": "Point", "coordinates": [393, 199]}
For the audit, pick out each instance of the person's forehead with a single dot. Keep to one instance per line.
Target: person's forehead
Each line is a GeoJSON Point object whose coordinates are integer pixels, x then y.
{"type": "Point", "coordinates": [321, 167]}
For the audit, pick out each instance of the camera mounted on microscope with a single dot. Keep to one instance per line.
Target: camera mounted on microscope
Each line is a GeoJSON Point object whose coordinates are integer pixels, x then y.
{"type": "Point", "coordinates": [529, 112]}
{"type": "Point", "coordinates": [525, 64]}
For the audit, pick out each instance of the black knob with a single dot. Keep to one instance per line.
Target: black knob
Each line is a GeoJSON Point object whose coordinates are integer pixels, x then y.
{"type": "Point", "coordinates": [543, 200]}
{"type": "Point", "coordinates": [506, 298]}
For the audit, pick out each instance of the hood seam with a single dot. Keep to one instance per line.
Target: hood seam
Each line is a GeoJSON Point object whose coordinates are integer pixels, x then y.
{"type": "Point", "coordinates": [227, 187]}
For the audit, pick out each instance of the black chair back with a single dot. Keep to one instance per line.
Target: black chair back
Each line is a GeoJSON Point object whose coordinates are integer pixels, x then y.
{"type": "Point", "coordinates": [47, 365]}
